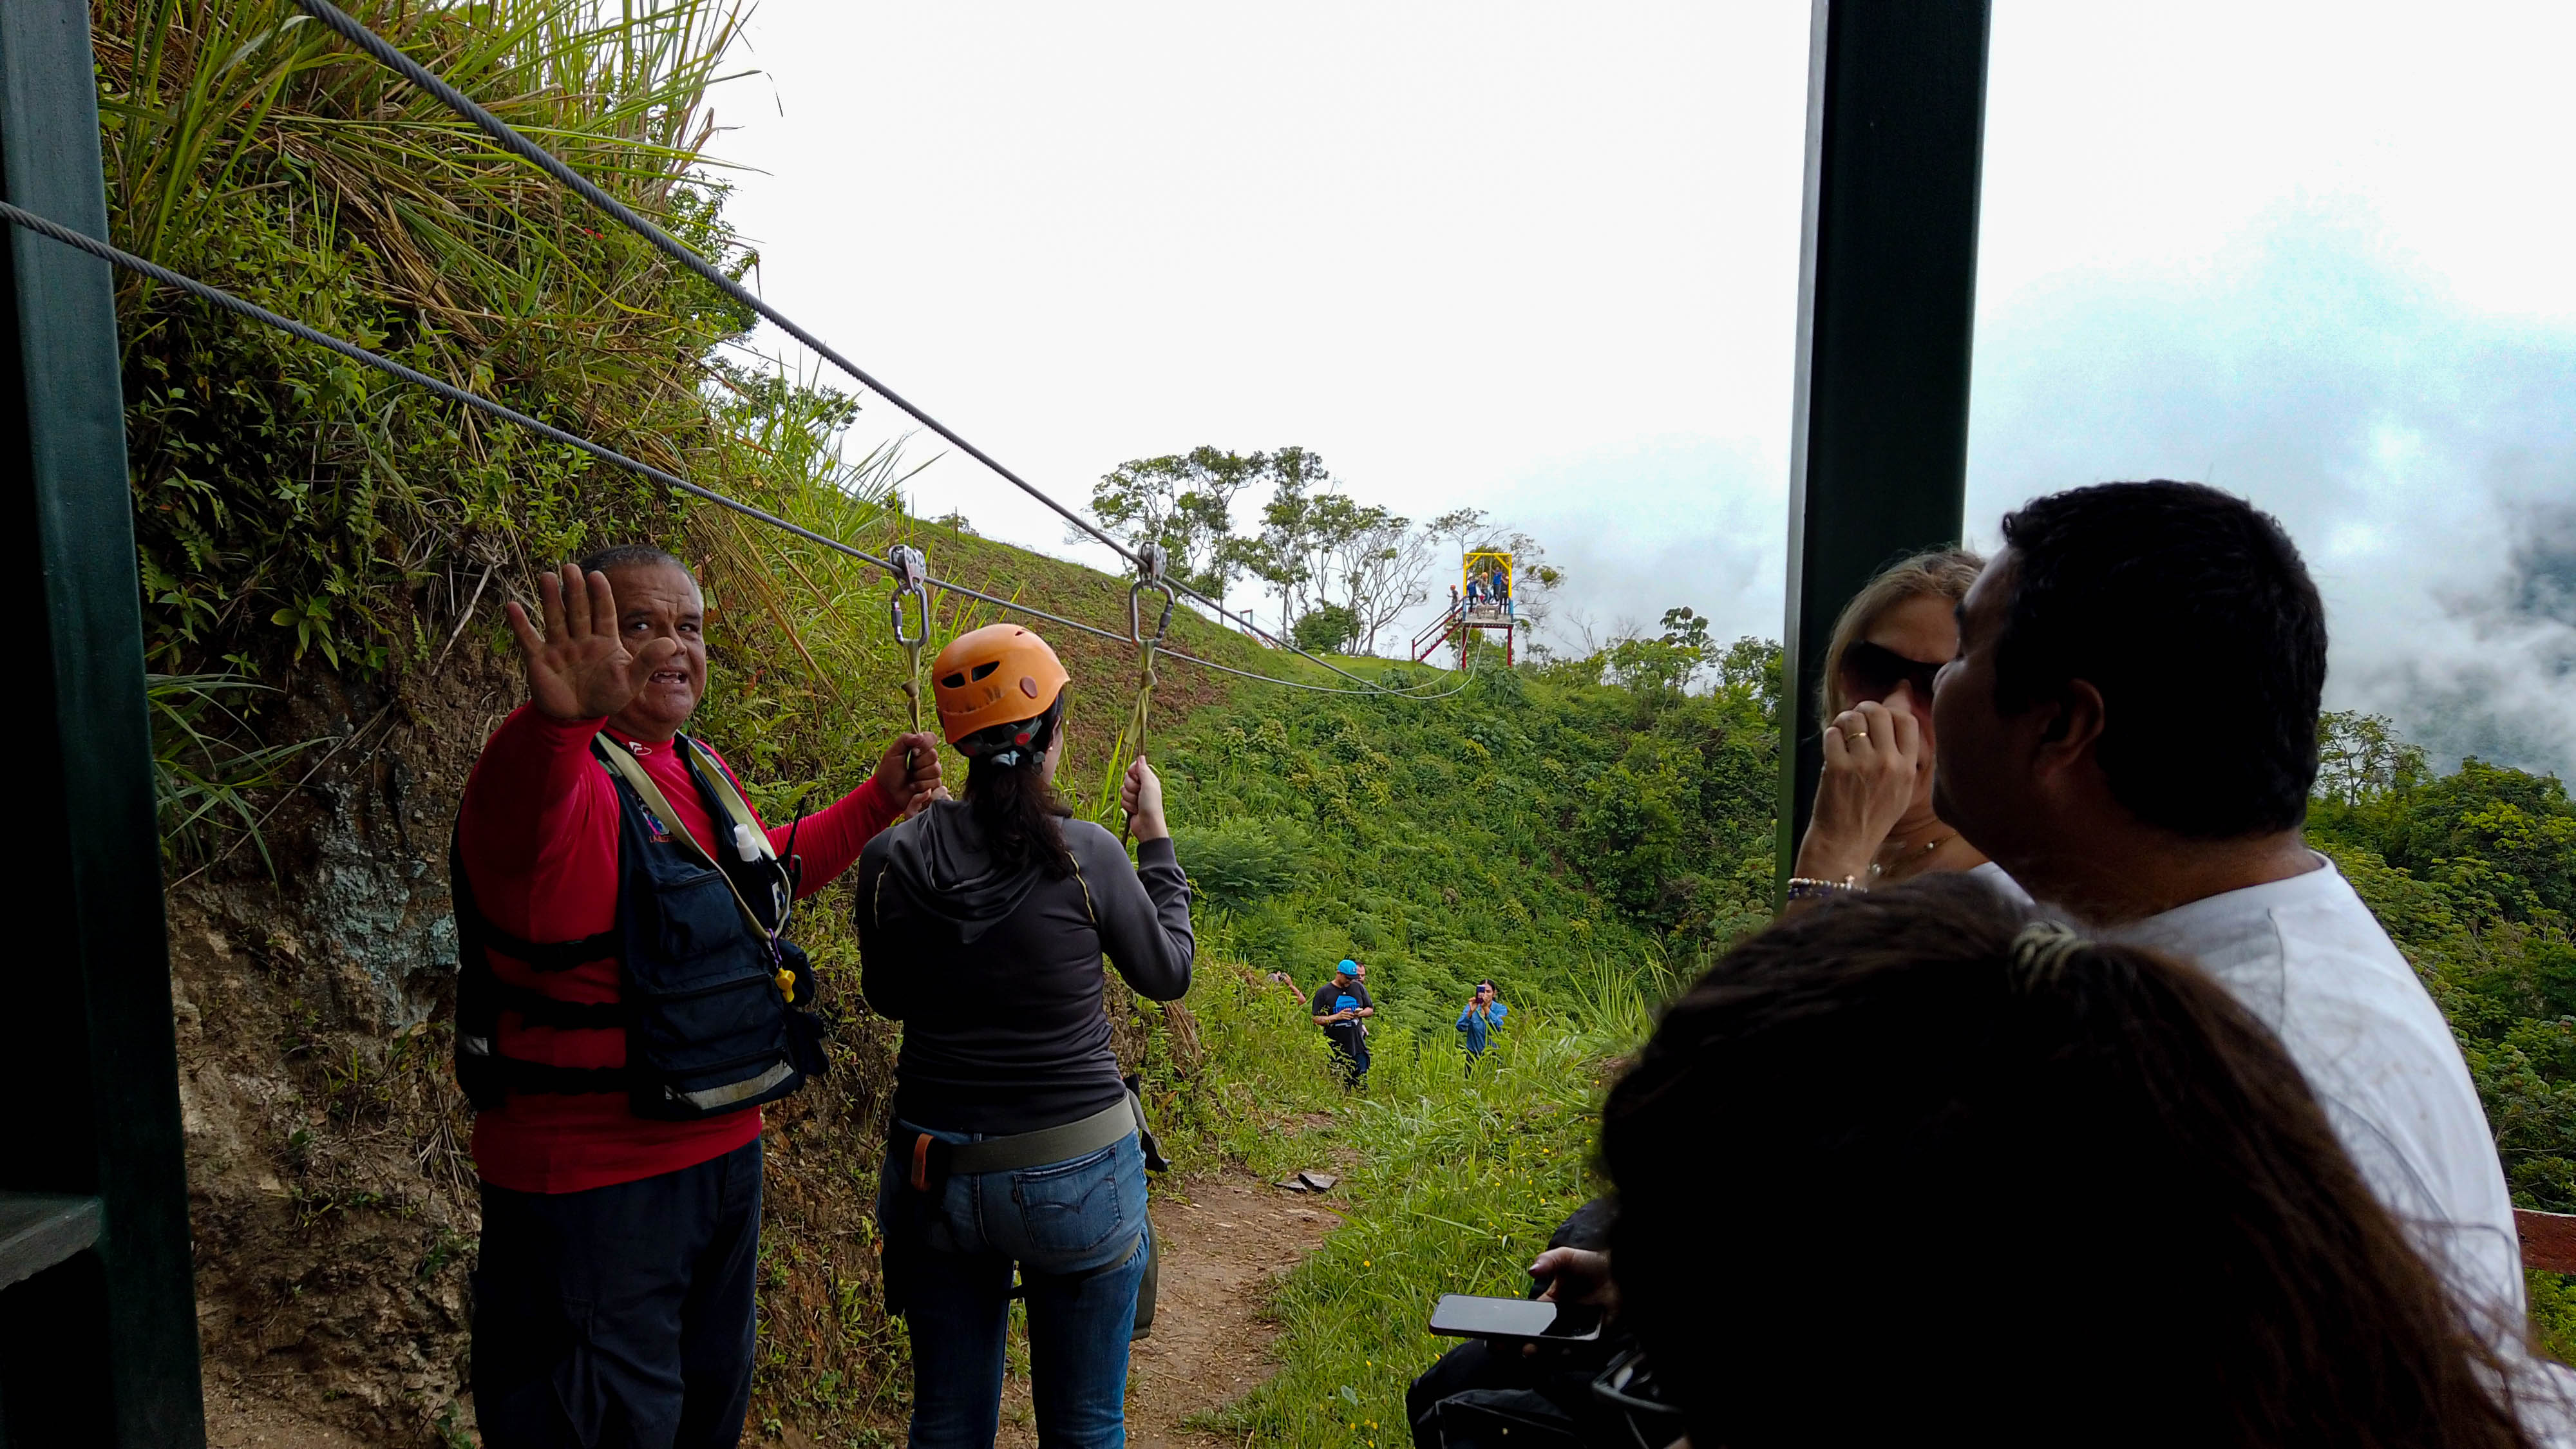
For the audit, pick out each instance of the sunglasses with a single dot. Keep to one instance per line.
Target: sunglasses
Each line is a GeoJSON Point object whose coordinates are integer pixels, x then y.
{"type": "Point", "coordinates": [1872, 671]}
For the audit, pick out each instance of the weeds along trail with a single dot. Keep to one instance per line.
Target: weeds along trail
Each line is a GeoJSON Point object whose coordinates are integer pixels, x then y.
{"type": "Point", "coordinates": [1452, 1181]}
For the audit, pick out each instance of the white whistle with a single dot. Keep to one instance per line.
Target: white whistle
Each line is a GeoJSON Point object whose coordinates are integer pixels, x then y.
{"type": "Point", "coordinates": [748, 844]}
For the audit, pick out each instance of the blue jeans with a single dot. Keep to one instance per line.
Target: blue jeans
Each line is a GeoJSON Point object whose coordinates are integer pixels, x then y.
{"type": "Point", "coordinates": [1077, 1230]}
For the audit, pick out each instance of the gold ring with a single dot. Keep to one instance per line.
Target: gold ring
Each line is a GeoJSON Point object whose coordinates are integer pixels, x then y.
{"type": "Point", "coordinates": [1860, 734]}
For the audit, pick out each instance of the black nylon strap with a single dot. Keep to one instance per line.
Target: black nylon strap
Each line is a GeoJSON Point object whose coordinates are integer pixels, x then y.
{"type": "Point", "coordinates": [551, 956]}
{"type": "Point", "coordinates": [525, 1076]}
{"type": "Point", "coordinates": [538, 1009]}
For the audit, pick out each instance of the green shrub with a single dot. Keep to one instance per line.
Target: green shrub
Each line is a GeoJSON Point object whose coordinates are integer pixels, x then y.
{"type": "Point", "coordinates": [1236, 863]}
{"type": "Point", "coordinates": [1326, 629]}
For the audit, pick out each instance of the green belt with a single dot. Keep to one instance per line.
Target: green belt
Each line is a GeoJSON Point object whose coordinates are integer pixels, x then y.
{"type": "Point", "coordinates": [1049, 1144]}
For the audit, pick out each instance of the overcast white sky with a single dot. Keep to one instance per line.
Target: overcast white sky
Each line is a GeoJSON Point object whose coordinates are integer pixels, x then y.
{"type": "Point", "coordinates": [1543, 260]}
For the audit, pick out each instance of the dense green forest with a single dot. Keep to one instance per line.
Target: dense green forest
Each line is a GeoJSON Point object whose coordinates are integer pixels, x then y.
{"type": "Point", "coordinates": [2474, 873]}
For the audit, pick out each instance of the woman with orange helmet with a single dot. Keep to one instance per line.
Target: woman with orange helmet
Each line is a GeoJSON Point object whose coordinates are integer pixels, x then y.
{"type": "Point", "coordinates": [982, 924]}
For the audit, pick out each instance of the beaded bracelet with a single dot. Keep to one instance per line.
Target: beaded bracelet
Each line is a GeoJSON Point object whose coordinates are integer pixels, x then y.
{"type": "Point", "coordinates": [1803, 887]}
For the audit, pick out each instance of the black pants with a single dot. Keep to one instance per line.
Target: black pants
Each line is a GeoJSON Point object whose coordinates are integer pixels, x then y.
{"type": "Point", "coordinates": [620, 1317]}
{"type": "Point", "coordinates": [1495, 1397]}
{"type": "Point", "coordinates": [1352, 1054]}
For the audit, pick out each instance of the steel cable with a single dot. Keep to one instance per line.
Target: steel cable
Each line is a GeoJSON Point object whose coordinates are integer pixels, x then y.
{"type": "Point", "coordinates": [1379, 692]}
{"type": "Point", "coordinates": [218, 297]}
{"type": "Point", "coordinates": [510, 139]}
{"type": "Point", "coordinates": [252, 310]}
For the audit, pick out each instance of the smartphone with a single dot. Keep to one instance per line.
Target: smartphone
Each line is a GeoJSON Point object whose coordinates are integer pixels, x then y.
{"type": "Point", "coordinates": [1460, 1315]}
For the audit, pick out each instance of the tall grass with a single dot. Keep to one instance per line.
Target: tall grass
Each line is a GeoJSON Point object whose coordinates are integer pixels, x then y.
{"type": "Point", "coordinates": [290, 502]}
{"type": "Point", "coordinates": [203, 771]}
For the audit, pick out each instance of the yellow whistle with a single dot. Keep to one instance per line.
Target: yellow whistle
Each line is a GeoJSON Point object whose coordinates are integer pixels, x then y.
{"type": "Point", "coordinates": [787, 984]}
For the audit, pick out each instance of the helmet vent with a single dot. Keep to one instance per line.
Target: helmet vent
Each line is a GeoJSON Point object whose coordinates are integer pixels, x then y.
{"type": "Point", "coordinates": [987, 667]}
{"type": "Point", "coordinates": [954, 681]}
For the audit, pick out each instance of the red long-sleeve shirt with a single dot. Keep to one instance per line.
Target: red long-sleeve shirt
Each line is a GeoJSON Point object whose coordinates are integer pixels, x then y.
{"type": "Point", "coordinates": [539, 830]}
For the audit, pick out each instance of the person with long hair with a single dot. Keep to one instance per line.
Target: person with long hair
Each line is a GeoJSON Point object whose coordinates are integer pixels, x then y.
{"type": "Point", "coordinates": [1874, 822]}
{"type": "Point", "coordinates": [1920, 1166]}
{"type": "Point", "coordinates": [982, 924]}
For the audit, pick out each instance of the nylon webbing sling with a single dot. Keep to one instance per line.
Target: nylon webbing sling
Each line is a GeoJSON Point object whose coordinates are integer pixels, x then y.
{"type": "Point", "coordinates": [632, 772]}
{"type": "Point", "coordinates": [736, 808]}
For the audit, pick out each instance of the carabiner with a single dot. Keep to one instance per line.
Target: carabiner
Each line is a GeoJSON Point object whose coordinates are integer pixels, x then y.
{"type": "Point", "coordinates": [1149, 575]}
{"type": "Point", "coordinates": [911, 574]}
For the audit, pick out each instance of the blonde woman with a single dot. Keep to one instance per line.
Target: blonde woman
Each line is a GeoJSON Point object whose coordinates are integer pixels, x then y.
{"type": "Point", "coordinates": [1873, 822]}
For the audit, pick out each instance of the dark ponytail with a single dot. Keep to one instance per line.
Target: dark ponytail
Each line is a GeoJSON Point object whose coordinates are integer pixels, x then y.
{"type": "Point", "coordinates": [1014, 804]}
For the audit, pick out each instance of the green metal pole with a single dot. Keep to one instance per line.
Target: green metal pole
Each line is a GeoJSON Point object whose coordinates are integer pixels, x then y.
{"type": "Point", "coordinates": [1896, 98]}
{"type": "Point", "coordinates": [98, 1324]}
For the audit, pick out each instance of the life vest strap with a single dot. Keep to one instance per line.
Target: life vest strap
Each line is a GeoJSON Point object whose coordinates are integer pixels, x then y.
{"type": "Point", "coordinates": [535, 1008]}
{"type": "Point", "coordinates": [624, 766]}
{"type": "Point", "coordinates": [518, 1074]}
{"type": "Point", "coordinates": [549, 956]}
{"type": "Point", "coordinates": [571, 1081]}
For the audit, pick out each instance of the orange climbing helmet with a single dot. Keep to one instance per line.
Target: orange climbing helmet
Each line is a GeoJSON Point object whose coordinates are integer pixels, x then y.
{"type": "Point", "coordinates": [998, 675]}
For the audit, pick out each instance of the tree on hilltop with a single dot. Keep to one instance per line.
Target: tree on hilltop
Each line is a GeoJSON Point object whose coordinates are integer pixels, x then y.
{"type": "Point", "coordinates": [1184, 503]}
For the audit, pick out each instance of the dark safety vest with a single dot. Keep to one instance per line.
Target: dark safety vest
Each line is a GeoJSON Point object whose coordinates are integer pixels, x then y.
{"type": "Point", "coordinates": [715, 1007]}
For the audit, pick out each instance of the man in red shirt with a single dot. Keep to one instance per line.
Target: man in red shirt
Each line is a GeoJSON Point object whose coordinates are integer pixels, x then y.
{"type": "Point", "coordinates": [613, 1295]}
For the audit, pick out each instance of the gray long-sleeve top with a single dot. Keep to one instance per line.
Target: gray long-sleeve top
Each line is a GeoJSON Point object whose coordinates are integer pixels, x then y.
{"type": "Point", "coordinates": [996, 976]}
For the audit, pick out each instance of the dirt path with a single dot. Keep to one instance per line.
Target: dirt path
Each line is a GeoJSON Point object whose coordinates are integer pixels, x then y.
{"type": "Point", "coordinates": [243, 1415]}
{"type": "Point", "coordinates": [1225, 1236]}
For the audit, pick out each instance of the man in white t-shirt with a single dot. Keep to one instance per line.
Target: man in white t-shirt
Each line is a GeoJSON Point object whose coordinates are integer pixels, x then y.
{"type": "Point", "coordinates": [2129, 730]}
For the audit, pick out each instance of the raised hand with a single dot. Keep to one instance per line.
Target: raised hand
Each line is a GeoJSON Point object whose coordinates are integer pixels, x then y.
{"type": "Point", "coordinates": [579, 667]}
{"type": "Point", "coordinates": [1874, 760]}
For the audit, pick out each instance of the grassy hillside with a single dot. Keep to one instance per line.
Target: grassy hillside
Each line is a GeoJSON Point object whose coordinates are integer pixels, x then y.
{"type": "Point", "coordinates": [1555, 833]}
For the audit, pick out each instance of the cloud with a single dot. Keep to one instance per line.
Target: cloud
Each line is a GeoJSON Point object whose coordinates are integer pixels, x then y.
{"type": "Point", "coordinates": [2420, 450]}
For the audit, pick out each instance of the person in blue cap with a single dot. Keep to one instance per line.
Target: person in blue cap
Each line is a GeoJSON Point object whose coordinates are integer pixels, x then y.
{"type": "Point", "coordinates": [1338, 1007]}
{"type": "Point", "coordinates": [1485, 1012]}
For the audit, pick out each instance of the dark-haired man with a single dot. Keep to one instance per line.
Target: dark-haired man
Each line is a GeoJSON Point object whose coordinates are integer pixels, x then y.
{"type": "Point", "coordinates": [1338, 1007]}
{"type": "Point", "coordinates": [613, 1296]}
{"type": "Point", "coordinates": [2129, 729]}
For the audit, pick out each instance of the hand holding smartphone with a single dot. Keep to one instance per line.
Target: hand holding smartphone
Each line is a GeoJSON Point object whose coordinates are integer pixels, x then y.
{"type": "Point", "coordinates": [1516, 1320]}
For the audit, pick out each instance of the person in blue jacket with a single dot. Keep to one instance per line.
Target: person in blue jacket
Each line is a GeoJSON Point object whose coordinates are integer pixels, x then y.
{"type": "Point", "coordinates": [1485, 1012]}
